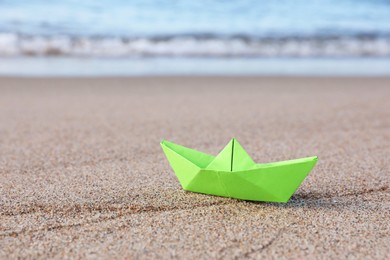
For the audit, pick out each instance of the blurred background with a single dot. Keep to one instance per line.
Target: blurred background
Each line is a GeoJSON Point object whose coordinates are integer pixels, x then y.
{"type": "Point", "coordinates": [155, 37]}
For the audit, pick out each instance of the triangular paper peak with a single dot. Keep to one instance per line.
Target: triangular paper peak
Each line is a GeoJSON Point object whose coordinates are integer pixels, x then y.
{"type": "Point", "coordinates": [222, 162]}
{"type": "Point", "coordinates": [232, 158]}
{"type": "Point", "coordinates": [240, 159]}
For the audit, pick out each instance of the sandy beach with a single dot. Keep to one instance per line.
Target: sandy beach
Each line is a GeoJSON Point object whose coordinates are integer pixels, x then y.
{"type": "Point", "coordinates": [83, 174]}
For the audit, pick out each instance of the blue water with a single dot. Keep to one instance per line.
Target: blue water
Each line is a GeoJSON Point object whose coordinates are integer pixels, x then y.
{"type": "Point", "coordinates": [233, 17]}
{"type": "Point", "coordinates": [231, 29]}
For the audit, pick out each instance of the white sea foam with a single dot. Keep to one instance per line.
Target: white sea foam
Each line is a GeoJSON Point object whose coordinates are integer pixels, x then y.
{"type": "Point", "coordinates": [12, 45]}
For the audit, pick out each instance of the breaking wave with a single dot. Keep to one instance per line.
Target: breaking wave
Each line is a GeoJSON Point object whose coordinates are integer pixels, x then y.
{"type": "Point", "coordinates": [12, 45]}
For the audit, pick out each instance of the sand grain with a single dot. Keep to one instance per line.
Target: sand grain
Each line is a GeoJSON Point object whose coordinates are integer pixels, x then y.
{"type": "Point", "coordinates": [82, 173]}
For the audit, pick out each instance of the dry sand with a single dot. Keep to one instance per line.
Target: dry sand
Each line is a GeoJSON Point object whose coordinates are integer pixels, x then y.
{"type": "Point", "coordinates": [83, 175]}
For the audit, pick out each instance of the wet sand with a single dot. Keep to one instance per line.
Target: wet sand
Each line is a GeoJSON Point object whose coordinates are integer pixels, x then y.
{"type": "Point", "coordinates": [83, 175]}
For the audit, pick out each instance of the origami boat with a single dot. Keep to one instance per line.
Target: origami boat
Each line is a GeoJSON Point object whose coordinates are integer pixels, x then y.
{"type": "Point", "coordinates": [232, 173]}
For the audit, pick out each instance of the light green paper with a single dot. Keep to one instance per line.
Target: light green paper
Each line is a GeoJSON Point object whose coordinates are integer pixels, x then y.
{"type": "Point", "coordinates": [232, 173]}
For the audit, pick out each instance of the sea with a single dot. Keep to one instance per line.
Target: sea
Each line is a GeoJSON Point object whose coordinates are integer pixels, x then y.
{"type": "Point", "coordinates": [184, 37]}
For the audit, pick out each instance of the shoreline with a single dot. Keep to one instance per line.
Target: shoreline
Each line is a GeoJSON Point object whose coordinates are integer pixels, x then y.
{"type": "Point", "coordinates": [122, 67]}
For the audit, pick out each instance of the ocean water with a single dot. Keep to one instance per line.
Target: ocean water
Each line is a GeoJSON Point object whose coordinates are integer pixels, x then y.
{"type": "Point", "coordinates": [108, 30]}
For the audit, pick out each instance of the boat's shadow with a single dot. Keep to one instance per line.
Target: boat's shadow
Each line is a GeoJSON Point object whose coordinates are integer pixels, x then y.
{"type": "Point", "coordinates": [314, 201]}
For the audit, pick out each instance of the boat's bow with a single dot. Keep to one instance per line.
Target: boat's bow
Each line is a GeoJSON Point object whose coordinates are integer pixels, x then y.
{"type": "Point", "coordinates": [185, 162]}
{"type": "Point", "coordinates": [278, 181]}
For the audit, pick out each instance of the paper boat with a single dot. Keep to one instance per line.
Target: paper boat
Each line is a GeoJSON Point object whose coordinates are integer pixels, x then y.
{"type": "Point", "coordinates": [232, 173]}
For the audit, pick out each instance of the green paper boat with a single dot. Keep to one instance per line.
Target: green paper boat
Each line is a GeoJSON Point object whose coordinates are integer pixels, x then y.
{"type": "Point", "coordinates": [232, 173]}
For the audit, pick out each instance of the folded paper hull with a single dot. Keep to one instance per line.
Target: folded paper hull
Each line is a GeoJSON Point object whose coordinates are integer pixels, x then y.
{"type": "Point", "coordinates": [273, 182]}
